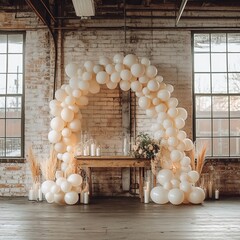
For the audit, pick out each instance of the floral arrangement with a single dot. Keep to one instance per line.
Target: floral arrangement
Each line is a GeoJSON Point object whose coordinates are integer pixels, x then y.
{"type": "Point", "coordinates": [145, 147]}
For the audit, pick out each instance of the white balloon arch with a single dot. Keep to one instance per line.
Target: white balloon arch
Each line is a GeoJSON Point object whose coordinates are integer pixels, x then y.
{"type": "Point", "coordinates": [176, 179]}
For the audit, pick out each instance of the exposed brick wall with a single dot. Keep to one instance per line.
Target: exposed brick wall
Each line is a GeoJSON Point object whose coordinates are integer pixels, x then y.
{"type": "Point", "coordinates": [169, 51]}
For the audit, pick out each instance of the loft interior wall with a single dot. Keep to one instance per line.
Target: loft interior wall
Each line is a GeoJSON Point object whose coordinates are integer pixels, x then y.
{"type": "Point", "coordinates": [169, 50]}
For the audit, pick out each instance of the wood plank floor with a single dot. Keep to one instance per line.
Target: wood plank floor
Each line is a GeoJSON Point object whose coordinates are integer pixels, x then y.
{"type": "Point", "coordinates": [119, 218]}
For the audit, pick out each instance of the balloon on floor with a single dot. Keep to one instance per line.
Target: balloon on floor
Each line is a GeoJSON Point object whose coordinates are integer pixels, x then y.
{"type": "Point", "coordinates": [176, 178]}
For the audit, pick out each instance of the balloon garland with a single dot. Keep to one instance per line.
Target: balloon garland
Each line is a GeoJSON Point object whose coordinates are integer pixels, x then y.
{"type": "Point", "coordinates": [176, 179]}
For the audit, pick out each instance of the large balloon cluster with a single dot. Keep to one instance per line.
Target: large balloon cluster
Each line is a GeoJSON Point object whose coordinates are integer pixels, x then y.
{"type": "Point", "coordinates": [176, 179]}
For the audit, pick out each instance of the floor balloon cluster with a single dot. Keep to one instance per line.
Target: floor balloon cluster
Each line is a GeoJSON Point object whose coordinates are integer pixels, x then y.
{"type": "Point", "coordinates": [176, 179]}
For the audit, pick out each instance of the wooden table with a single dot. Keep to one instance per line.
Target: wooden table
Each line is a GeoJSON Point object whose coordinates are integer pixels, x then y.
{"type": "Point", "coordinates": [115, 161]}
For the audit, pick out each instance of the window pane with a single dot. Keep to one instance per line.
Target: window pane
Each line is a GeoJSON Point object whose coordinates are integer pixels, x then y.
{"type": "Point", "coordinates": [219, 62]}
{"type": "Point", "coordinates": [13, 147]}
{"type": "Point", "coordinates": [13, 109]}
{"type": "Point", "coordinates": [202, 83]}
{"type": "Point", "coordinates": [2, 128]}
{"type": "Point", "coordinates": [234, 42]}
{"type": "Point", "coordinates": [220, 147]}
{"type": "Point", "coordinates": [203, 127]}
{"type": "Point", "coordinates": [235, 146]}
{"type": "Point", "coordinates": [234, 82]}
{"type": "Point", "coordinates": [2, 83]}
{"type": "Point", "coordinates": [204, 141]}
{"type": "Point", "coordinates": [203, 107]}
{"type": "Point", "coordinates": [201, 43]}
{"type": "Point", "coordinates": [3, 63]}
{"type": "Point", "coordinates": [219, 83]}
{"type": "Point", "coordinates": [15, 63]}
{"type": "Point", "coordinates": [218, 42]}
{"type": "Point", "coordinates": [14, 83]}
{"type": "Point", "coordinates": [220, 106]}
{"type": "Point", "coordinates": [15, 43]}
{"type": "Point", "coordinates": [235, 106]}
{"type": "Point", "coordinates": [235, 127]}
{"type": "Point", "coordinates": [220, 127]}
{"type": "Point", "coordinates": [202, 62]}
{"type": "Point", "coordinates": [13, 128]}
{"type": "Point", "coordinates": [2, 107]}
{"type": "Point", "coordinates": [3, 43]}
{"type": "Point", "coordinates": [2, 147]}
{"type": "Point", "coordinates": [233, 62]}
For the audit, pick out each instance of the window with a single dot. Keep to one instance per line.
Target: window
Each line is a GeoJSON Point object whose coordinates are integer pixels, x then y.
{"type": "Point", "coordinates": [216, 92]}
{"type": "Point", "coordinates": [11, 95]}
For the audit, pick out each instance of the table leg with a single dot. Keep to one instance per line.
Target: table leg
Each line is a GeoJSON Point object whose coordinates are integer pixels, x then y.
{"type": "Point", "coordinates": [141, 170]}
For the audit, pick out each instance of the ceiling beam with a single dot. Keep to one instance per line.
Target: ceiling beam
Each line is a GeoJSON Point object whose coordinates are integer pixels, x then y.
{"type": "Point", "coordinates": [181, 9]}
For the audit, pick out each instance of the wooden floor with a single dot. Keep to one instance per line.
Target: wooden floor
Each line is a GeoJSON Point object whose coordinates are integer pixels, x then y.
{"type": "Point", "coordinates": [119, 218]}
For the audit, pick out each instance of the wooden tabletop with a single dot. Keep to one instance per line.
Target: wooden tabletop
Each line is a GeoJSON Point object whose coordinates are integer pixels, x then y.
{"type": "Point", "coordinates": [112, 161]}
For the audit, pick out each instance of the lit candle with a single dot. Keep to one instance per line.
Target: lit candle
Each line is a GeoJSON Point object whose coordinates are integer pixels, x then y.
{"type": "Point", "coordinates": [40, 195]}
{"type": "Point", "coordinates": [146, 195]}
{"type": "Point", "coordinates": [81, 197]}
{"type": "Point", "coordinates": [93, 149]}
{"type": "Point", "coordinates": [210, 189]}
{"type": "Point", "coordinates": [216, 194]}
{"type": "Point", "coordinates": [147, 184]}
{"type": "Point", "coordinates": [31, 195]}
{"type": "Point", "coordinates": [85, 197]}
{"type": "Point", "coordinates": [98, 151]}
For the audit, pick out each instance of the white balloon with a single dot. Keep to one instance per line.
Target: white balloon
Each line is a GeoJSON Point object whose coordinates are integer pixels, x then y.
{"type": "Point", "coordinates": [167, 123]}
{"type": "Point", "coordinates": [57, 124]}
{"type": "Point", "coordinates": [145, 91]}
{"type": "Point", "coordinates": [60, 95]}
{"type": "Point", "coordinates": [161, 108]}
{"type": "Point", "coordinates": [185, 186]}
{"type": "Point", "coordinates": [153, 85]}
{"type": "Point", "coordinates": [110, 69]}
{"type": "Point", "coordinates": [144, 102]}
{"type": "Point", "coordinates": [189, 144]}
{"type": "Point", "coordinates": [54, 136]}
{"type": "Point", "coordinates": [115, 77]}
{"type": "Point", "coordinates": [176, 196]}
{"type": "Point", "coordinates": [102, 77]}
{"type": "Point", "coordinates": [179, 122]}
{"type": "Point", "coordinates": [60, 147]}
{"type": "Point", "coordinates": [104, 61]}
{"type": "Point", "coordinates": [66, 132]}
{"type": "Point", "coordinates": [151, 71]}
{"type": "Point", "coordinates": [172, 102]}
{"type": "Point", "coordinates": [125, 85]}
{"type": "Point", "coordinates": [75, 125]}
{"type": "Point", "coordinates": [89, 66]}
{"type": "Point", "coordinates": [159, 78]}
{"type": "Point", "coordinates": [59, 155]}
{"type": "Point", "coordinates": [176, 155]}
{"type": "Point", "coordinates": [83, 85]}
{"type": "Point", "coordinates": [164, 95]}
{"type": "Point", "coordinates": [55, 189]}
{"type": "Point", "coordinates": [46, 186]}
{"type": "Point", "coordinates": [71, 198]}
{"type": "Point", "coordinates": [82, 101]}
{"type": "Point", "coordinates": [172, 141]}
{"type": "Point", "coordinates": [60, 180]}
{"type": "Point", "coordinates": [118, 58]}
{"type": "Point", "coordinates": [54, 103]}
{"type": "Point", "coordinates": [66, 186]}
{"type": "Point", "coordinates": [182, 113]}
{"type": "Point", "coordinates": [73, 82]}
{"type": "Point", "coordinates": [59, 198]}
{"type": "Point", "coordinates": [70, 100]}
{"type": "Point", "coordinates": [164, 175]}
{"type": "Point", "coordinates": [87, 76]}
{"type": "Point", "coordinates": [194, 176]}
{"type": "Point", "coordinates": [181, 135]}
{"type": "Point", "coordinates": [98, 68]}
{"type": "Point", "coordinates": [172, 112]}
{"type": "Point", "coordinates": [126, 75]}
{"type": "Point", "coordinates": [119, 67]}
{"type": "Point", "coordinates": [112, 85]}
{"type": "Point", "coordinates": [171, 132]}
{"type": "Point", "coordinates": [49, 197]}
{"type": "Point", "coordinates": [159, 195]}
{"type": "Point", "coordinates": [130, 59]}
{"type": "Point", "coordinates": [156, 101]}
{"type": "Point", "coordinates": [66, 157]}
{"type": "Point", "coordinates": [71, 69]}
{"type": "Point", "coordinates": [143, 79]}
{"type": "Point", "coordinates": [185, 161]}
{"type": "Point", "coordinates": [151, 112]}
{"type": "Point", "coordinates": [76, 93]}
{"type": "Point", "coordinates": [67, 115]}
{"type": "Point", "coordinates": [170, 88]}
{"type": "Point", "coordinates": [75, 179]}
{"type": "Point", "coordinates": [167, 185]}
{"type": "Point", "coordinates": [196, 196]}
{"type": "Point", "coordinates": [137, 70]}
{"type": "Point", "coordinates": [136, 86]}
{"type": "Point", "coordinates": [175, 183]}
{"type": "Point", "coordinates": [139, 94]}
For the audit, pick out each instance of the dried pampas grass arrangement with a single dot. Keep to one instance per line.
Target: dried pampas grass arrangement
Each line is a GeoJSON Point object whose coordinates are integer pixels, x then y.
{"type": "Point", "coordinates": [49, 167]}
{"type": "Point", "coordinates": [191, 155]}
{"type": "Point", "coordinates": [72, 167]}
{"type": "Point", "coordinates": [201, 159]}
{"type": "Point", "coordinates": [34, 165]}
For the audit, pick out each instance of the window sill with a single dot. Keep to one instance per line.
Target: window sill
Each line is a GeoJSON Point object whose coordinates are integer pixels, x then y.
{"type": "Point", "coordinates": [12, 160]}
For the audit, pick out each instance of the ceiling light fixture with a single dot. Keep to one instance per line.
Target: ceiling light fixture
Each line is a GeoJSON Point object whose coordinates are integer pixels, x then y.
{"type": "Point", "coordinates": [84, 8]}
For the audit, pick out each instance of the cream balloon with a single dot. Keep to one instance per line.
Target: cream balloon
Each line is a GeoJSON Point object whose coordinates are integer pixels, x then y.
{"type": "Point", "coordinates": [176, 196]}
{"type": "Point", "coordinates": [104, 61]}
{"type": "Point", "coordinates": [126, 75]}
{"type": "Point", "coordinates": [60, 147]}
{"type": "Point", "coordinates": [159, 195]}
{"type": "Point", "coordinates": [130, 59]}
{"type": "Point", "coordinates": [67, 115]}
{"type": "Point", "coordinates": [137, 70]}
{"type": "Point", "coordinates": [57, 124]}
{"type": "Point", "coordinates": [151, 71]}
{"type": "Point", "coordinates": [89, 65]}
{"type": "Point", "coordinates": [118, 58]}
{"type": "Point", "coordinates": [153, 85]}
{"type": "Point", "coordinates": [115, 77]}
{"type": "Point", "coordinates": [71, 69]}
{"type": "Point", "coordinates": [75, 179]}
{"type": "Point", "coordinates": [71, 198]}
{"type": "Point", "coordinates": [196, 196]}
{"type": "Point", "coordinates": [54, 136]}
{"type": "Point", "coordinates": [136, 86]}
{"type": "Point", "coordinates": [144, 102]}
{"type": "Point", "coordinates": [112, 85]}
{"type": "Point", "coordinates": [125, 85]}
{"type": "Point", "coordinates": [60, 95]}
{"type": "Point", "coordinates": [102, 77]}
{"type": "Point", "coordinates": [164, 175]}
